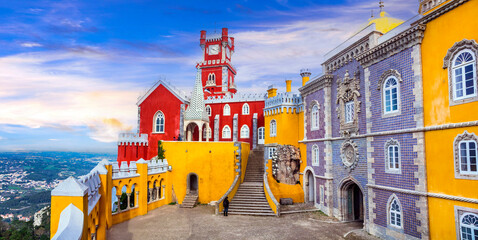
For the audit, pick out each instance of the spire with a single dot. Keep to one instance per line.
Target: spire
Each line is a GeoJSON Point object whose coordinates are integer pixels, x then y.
{"type": "Point", "coordinates": [197, 109]}
{"type": "Point", "coordinates": [381, 5]}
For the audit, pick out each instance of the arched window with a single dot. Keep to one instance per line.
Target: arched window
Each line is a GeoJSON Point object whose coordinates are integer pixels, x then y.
{"type": "Point", "coordinates": [226, 132]}
{"type": "Point", "coordinates": [208, 110]}
{"type": "Point", "coordinates": [226, 110]}
{"type": "Point", "coordinates": [244, 131]}
{"type": "Point", "coordinates": [206, 133]}
{"type": "Point", "coordinates": [468, 157]}
{"type": "Point", "coordinates": [395, 213]}
{"type": "Point", "coordinates": [273, 128]}
{"type": "Point", "coordinates": [315, 117]}
{"type": "Point", "coordinates": [390, 95]}
{"type": "Point", "coordinates": [212, 78]}
{"type": "Point", "coordinates": [464, 75]}
{"type": "Point", "coordinates": [159, 122]}
{"type": "Point", "coordinates": [392, 156]}
{"type": "Point", "coordinates": [469, 226]}
{"type": "Point", "coordinates": [245, 109]}
{"type": "Point", "coordinates": [315, 155]}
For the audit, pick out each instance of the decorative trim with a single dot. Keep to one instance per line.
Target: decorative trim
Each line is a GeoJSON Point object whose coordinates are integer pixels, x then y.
{"type": "Point", "coordinates": [441, 10]}
{"type": "Point", "coordinates": [459, 212]}
{"type": "Point", "coordinates": [404, 40]}
{"type": "Point", "coordinates": [349, 154]}
{"type": "Point", "coordinates": [409, 130]}
{"type": "Point", "coordinates": [316, 84]}
{"type": "Point", "coordinates": [464, 44]}
{"type": "Point", "coordinates": [392, 142]}
{"type": "Point", "coordinates": [386, 75]}
{"type": "Point", "coordinates": [389, 202]}
{"type": "Point", "coordinates": [314, 103]}
{"type": "Point", "coordinates": [348, 90]}
{"type": "Point", "coordinates": [456, 154]}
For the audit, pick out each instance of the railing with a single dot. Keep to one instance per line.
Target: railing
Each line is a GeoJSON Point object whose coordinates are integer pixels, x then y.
{"type": "Point", "coordinates": [270, 196]}
{"type": "Point", "coordinates": [133, 138]}
{"type": "Point", "coordinates": [236, 98]}
{"type": "Point", "coordinates": [93, 182]}
{"type": "Point", "coordinates": [158, 166]}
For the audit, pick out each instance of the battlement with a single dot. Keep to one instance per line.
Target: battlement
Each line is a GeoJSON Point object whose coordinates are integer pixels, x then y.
{"type": "Point", "coordinates": [133, 139]}
{"type": "Point", "coordinates": [208, 63]}
{"type": "Point", "coordinates": [427, 5]}
{"type": "Point", "coordinates": [238, 97]}
{"type": "Point", "coordinates": [283, 102]}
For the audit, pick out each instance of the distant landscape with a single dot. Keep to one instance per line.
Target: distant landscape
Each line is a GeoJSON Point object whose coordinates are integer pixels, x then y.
{"type": "Point", "coordinates": [27, 178]}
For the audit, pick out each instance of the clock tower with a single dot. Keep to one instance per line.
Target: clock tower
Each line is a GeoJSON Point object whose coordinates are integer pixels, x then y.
{"type": "Point", "coordinates": [217, 72]}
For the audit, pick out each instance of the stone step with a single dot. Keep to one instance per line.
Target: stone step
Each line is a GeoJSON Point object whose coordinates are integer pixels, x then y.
{"type": "Point", "coordinates": [249, 205]}
{"type": "Point", "coordinates": [252, 213]}
{"type": "Point", "coordinates": [251, 210]}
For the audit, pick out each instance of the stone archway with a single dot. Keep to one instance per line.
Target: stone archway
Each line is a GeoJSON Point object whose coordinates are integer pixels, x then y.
{"type": "Point", "coordinates": [309, 187]}
{"type": "Point", "coordinates": [192, 183]}
{"type": "Point", "coordinates": [192, 132]}
{"type": "Point", "coordinates": [351, 201]}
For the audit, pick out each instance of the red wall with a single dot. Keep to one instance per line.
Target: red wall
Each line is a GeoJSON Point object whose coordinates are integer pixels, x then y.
{"type": "Point", "coordinates": [129, 152]}
{"type": "Point", "coordinates": [236, 107]}
{"type": "Point", "coordinates": [160, 99]}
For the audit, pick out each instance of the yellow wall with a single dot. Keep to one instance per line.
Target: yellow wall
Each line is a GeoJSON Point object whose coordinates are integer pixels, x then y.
{"type": "Point", "coordinates": [282, 190]}
{"type": "Point", "coordinates": [290, 128]}
{"type": "Point", "coordinates": [59, 203]}
{"type": "Point", "coordinates": [440, 35]}
{"type": "Point", "coordinates": [213, 162]}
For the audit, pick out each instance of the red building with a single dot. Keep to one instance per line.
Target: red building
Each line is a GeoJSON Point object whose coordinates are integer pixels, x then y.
{"type": "Point", "coordinates": [232, 116]}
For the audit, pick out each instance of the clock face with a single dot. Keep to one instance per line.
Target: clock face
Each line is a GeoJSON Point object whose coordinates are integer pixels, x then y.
{"type": "Point", "coordinates": [213, 49]}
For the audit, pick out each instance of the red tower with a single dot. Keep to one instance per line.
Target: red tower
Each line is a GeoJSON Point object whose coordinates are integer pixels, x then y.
{"type": "Point", "coordinates": [217, 72]}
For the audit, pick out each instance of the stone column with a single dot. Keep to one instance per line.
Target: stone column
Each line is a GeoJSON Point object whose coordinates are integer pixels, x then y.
{"type": "Point", "coordinates": [234, 127]}
{"type": "Point", "coordinates": [128, 200]}
{"type": "Point", "coordinates": [254, 131]}
{"type": "Point", "coordinates": [200, 132]}
{"type": "Point", "coordinates": [136, 199]}
{"type": "Point", "coordinates": [150, 191]}
{"type": "Point", "coordinates": [118, 203]}
{"type": "Point", "coordinates": [216, 128]}
{"type": "Point", "coordinates": [157, 193]}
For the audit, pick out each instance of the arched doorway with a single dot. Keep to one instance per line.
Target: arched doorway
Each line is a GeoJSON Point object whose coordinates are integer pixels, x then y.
{"type": "Point", "coordinates": [192, 183]}
{"type": "Point", "coordinates": [309, 185]}
{"type": "Point", "coordinates": [192, 132]}
{"type": "Point", "coordinates": [351, 201]}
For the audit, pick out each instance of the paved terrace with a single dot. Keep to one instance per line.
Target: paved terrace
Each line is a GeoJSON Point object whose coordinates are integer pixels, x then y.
{"type": "Point", "coordinates": [171, 222]}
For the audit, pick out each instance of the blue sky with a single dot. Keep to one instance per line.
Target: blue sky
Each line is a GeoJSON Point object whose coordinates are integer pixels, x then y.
{"type": "Point", "coordinates": [71, 71]}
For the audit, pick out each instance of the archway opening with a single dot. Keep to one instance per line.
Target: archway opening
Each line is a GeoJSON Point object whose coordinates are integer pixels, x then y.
{"type": "Point", "coordinates": [192, 183]}
{"type": "Point", "coordinates": [192, 132]}
{"type": "Point", "coordinates": [352, 202]}
{"type": "Point", "coordinates": [309, 188]}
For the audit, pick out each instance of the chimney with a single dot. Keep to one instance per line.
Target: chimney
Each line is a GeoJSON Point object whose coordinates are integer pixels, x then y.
{"type": "Point", "coordinates": [287, 85]}
{"type": "Point", "coordinates": [271, 91]}
{"type": "Point", "coordinates": [224, 35]}
{"type": "Point", "coordinates": [305, 74]}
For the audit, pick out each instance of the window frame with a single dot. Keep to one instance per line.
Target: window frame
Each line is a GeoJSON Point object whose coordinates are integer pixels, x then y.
{"type": "Point", "coordinates": [273, 128]}
{"type": "Point", "coordinates": [223, 135]}
{"type": "Point", "coordinates": [468, 157]}
{"type": "Point", "coordinates": [226, 110]}
{"type": "Point", "coordinates": [384, 96]}
{"type": "Point", "coordinates": [348, 110]}
{"type": "Point", "coordinates": [465, 137]}
{"type": "Point", "coordinates": [248, 131]}
{"type": "Point", "coordinates": [208, 110]}
{"type": "Point", "coordinates": [156, 115]}
{"type": "Point", "coordinates": [462, 66]}
{"type": "Point", "coordinates": [392, 143]}
{"type": "Point", "coordinates": [315, 120]}
{"type": "Point", "coordinates": [315, 155]}
{"type": "Point", "coordinates": [393, 198]}
{"type": "Point", "coordinates": [270, 152]}
{"type": "Point", "coordinates": [460, 213]}
{"type": "Point", "coordinates": [246, 110]}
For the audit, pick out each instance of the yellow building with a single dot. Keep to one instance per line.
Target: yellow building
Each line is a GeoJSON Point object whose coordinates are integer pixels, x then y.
{"type": "Point", "coordinates": [450, 98]}
{"type": "Point", "coordinates": [284, 125]}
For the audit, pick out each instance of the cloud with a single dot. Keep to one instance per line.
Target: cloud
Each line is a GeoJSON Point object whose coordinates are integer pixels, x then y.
{"type": "Point", "coordinates": [2, 138]}
{"type": "Point", "coordinates": [30, 44]}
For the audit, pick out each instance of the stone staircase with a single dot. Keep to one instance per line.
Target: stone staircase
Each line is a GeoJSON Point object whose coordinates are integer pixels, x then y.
{"type": "Point", "coordinates": [189, 200]}
{"type": "Point", "coordinates": [250, 198]}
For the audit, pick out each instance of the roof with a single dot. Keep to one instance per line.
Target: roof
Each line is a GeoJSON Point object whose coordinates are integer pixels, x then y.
{"type": "Point", "coordinates": [176, 92]}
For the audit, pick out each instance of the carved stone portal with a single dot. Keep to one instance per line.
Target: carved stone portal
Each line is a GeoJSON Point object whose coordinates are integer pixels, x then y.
{"type": "Point", "coordinates": [348, 92]}
{"type": "Point", "coordinates": [286, 164]}
{"type": "Point", "coordinates": [349, 154]}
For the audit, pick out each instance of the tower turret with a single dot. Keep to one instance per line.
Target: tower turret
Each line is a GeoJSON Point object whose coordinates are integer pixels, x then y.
{"type": "Point", "coordinates": [305, 74]}
{"type": "Point", "coordinates": [202, 40]}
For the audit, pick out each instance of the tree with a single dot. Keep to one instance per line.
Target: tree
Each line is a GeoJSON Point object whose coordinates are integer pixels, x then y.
{"type": "Point", "coordinates": [161, 150]}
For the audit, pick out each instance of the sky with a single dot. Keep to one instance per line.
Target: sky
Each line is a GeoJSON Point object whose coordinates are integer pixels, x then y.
{"type": "Point", "coordinates": [72, 71]}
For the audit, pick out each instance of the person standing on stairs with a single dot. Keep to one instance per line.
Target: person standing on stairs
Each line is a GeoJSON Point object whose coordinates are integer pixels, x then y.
{"type": "Point", "coordinates": [225, 204]}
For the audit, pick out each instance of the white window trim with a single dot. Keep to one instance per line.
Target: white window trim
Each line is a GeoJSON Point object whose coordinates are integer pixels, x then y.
{"type": "Point", "coordinates": [453, 67]}
{"type": "Point", "coordinates": [226, 110]}
{"type": "Point", "coordinates": [209, 110]}
{"type": "Point", "coordinates": [389, 207]}
{"type": "Point", "coordinates": [465, 136]}
{"type": "Point", "coordinates": [248, 132]}
{"type": "Point", "coordinates": [154, 122]}
{"type": "Point", "coordinates": [384, 89]}
{"type": "Point", "coordinates": [315, 155]}
{"type": "Point", "coordinates": [273, 130]}
{"type": "Point", "coordinates": [389, 143]}
{"type": "Point", "coordinates": [468, 155]}
{"type": "Point", "coordinates": [459, 213]}
{"type": "Point", "coordinates": [312, 119]}
{"type": "Point", "coordinates": [270, 152]}
{"type": "Point", "coordinates": [226, 137]}
{"type": "Point", "coordinates": [246, 106]}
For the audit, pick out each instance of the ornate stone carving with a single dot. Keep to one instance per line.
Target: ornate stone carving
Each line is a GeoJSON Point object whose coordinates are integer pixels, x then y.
{"type": "Point", "coordinates": [458, 46]}
{"type": "Point", "coordinates": [347, 91]}
{"type": "Point", "coordinates": [456, 147]}
{"type": "Point", "coordinates": [349, 154]}
{"type": "Point", "coordinates": [386, 74]}
{"type": "Point", "coordinates": [286, 164]}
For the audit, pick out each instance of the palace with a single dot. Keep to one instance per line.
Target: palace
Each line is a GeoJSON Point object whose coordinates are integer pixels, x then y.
{"type": "Point", "coordinates": [385, 135]}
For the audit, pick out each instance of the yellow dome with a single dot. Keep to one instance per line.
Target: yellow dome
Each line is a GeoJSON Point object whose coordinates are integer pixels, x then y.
{"type": "Point", "coordinates": [384, 23]}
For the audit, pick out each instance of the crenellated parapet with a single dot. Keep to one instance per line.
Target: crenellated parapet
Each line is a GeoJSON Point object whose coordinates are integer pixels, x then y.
{"type": "Point", "coordinates": [238, 97]}
{"type": "Point", "coordinates": [283, 103]}
{"type": "Point", "coordinates": [133, 139]}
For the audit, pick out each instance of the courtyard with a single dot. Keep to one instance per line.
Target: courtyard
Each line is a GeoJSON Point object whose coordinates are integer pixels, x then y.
{"type": "Point", "coordinates": [171, 222]}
